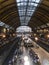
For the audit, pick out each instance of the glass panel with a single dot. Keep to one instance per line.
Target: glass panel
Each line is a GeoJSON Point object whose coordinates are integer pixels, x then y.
{"type": "Point", "coordinates": [21, 18]}
{"type": "Point", "coordinates": [34, 0]}
{"type": "Point", "coordinates": [18, 4]}
{"type": "Point", "coordinates": [22, 13]}
{"type": "Point", "coordinates": [37, 1]}
{"type": "Point", "coordinates": [18, 0]}
{"type": "Point", "coordinates": [1, 23]}
{"type": "Point", "coordinates": [25, 0]}
{"type": "Point", "coordinates": [24, 29]}
{"type": "Point", "coordinates": [35, 4]}
{"type": "Point", "coordinates": [27, 18]}
{"type": "Point", "coordinates": [21, 0]}
{"type": "Point", "coordinates": [22, 10]}
{"type": "Point", "coordinates": [26, 9]}
{"type": "Point", "coordinates": [30, 0]}
{"type": "Point", "coordinates": [22, 3]}
{"type": "Point", "coordinates": [25, 3]}
{"type": "Point", "coordinates": [30, 10]}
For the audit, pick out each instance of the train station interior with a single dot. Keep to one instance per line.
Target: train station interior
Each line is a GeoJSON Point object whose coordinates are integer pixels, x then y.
{"type": "Point", "coordinates": [24, 32]}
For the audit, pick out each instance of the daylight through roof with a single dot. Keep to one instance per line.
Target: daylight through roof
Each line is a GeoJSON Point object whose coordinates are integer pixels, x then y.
{"type": "Point", "coordinates": [26, 9]}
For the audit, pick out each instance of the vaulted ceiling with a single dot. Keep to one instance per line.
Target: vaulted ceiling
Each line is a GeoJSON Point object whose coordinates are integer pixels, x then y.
{"type": "Point", "coordinates": [9, 14]}
{"type": "Point", "coordinates": [41, 15]}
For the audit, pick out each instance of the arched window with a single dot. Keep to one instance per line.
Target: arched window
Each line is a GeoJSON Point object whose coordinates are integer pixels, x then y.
{"type": "Point", "coordinates": [24, 29]}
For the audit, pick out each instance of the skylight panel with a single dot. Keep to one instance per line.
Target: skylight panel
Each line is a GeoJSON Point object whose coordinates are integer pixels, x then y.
{"type": "Point", "coordinates": [35, 4]}
{"type": "Point", "coordinates": [1, 23]}
{"type": "Point", "coordinates": [21, 18]}
{"type": "Point", "coordinates": [25, 0]}
{"type": "Point", "coordinates": [26, 9]}
{"type": "Point", "coordinates": [30, 10]}
{"type": "Point", "coordinates": [18, 4]}
{"type": "Point", "coordinates": [37, 1]}
{"type": "Point", "coordinates": [18, 0]}
{"type": "Point", "coordinates": [21, 0]}
{"type": "Point", "coordinates": [22, 3]}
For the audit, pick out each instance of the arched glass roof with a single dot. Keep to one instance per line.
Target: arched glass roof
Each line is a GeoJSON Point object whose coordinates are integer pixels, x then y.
{"type": "Point", "coordinates": [5, 25]}
{"type": "Point", "coordinates": [24, 29]}
{"type": "Point", "coordinates": [26, 8]}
